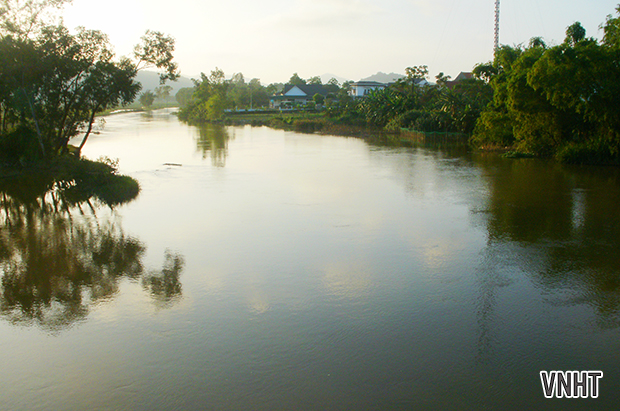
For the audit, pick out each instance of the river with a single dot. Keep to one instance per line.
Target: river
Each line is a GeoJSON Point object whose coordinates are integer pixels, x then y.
{"type": "Point", "coordinates": [262, 269]}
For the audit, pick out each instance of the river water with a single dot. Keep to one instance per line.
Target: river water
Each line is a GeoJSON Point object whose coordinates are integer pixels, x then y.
{"type": "Point", "coordinates": [269, 270]}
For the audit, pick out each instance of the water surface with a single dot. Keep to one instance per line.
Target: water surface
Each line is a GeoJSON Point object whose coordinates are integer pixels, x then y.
{"type": "Point", "coordinates": [263, 269]}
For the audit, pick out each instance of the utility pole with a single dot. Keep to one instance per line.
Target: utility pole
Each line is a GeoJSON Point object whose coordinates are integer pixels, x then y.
{"type": "Point", "coordinates": [496, 26]}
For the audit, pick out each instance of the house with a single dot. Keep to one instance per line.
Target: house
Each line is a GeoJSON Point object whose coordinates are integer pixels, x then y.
{"type": "Point", "coordinates": [462, 76]}
{"type": "Point", "coordinates": [362, 88]}
{"type": "Point", "coordinates": [297, 95]}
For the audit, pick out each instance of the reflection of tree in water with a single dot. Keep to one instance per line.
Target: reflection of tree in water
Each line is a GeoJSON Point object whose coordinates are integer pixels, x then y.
{"type": "Point", "coordinates": [213, 141]}
{"type": "Point", "coordinates": [165, 285]}
{"type": "Point", "coordinates": [565, 225]}
{"type": "Point", "coordinates": [57, 258]}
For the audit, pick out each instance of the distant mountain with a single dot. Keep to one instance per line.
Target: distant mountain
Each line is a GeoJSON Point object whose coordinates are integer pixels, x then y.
{"type": "Point", "coordinates": [150, 81]}
{"type": "Point", "coordinates": [384, 78]}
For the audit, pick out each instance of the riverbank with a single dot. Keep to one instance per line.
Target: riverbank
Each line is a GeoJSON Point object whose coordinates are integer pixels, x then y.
{"type": "Point", "coordinates": [303, 122]}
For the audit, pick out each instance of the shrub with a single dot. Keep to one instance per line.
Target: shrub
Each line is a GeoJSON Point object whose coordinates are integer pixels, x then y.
{"type": "Point", "coordinates": [595, 151]}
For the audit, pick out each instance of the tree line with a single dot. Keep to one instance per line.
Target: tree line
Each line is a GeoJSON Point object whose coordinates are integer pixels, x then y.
{"type": "Point", "coordinates": [404, 104]}
{"type": "Point", "coordinates": [213, 94]}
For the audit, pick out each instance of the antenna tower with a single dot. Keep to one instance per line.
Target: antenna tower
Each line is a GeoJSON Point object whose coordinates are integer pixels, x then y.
{"type": "Point", "coordinates": [496, 26]}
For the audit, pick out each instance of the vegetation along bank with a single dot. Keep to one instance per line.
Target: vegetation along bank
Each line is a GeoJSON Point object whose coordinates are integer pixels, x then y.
{"type": "Point", "coordinates": [535, 100]}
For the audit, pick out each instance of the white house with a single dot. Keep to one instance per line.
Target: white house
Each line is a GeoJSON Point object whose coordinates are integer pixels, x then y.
{"type": "Point", "coordinates": [296, 95]}
{"type": "Point", "coordinates": [362, 88]}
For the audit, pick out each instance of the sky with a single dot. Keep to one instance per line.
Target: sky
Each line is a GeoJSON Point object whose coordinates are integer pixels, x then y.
{"type": "Point", "coordinates": [353, 39]}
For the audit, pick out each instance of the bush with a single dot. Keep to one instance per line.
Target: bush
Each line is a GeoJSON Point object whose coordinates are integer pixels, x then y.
{"type": "Point", "coordinates": [596, 151]}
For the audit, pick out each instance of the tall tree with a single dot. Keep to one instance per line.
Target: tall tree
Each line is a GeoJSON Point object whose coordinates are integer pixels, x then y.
{"type": "Point", "coordinates": [147, 98]}
{"type": "Point", "coordinates": [315, 80]}
{"type": "Point", "coordinates": [55, 82]}
{"type": "Point", "coordinates": [296, 80]}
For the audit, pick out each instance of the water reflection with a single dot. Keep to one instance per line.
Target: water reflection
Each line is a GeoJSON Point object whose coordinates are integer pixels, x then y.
{"type": "Point", "coordinates": [566, 228]}
{"type": "Point", "coordinates": [213, 142]}
{"type": "Point", "coordinates": [60, 256]}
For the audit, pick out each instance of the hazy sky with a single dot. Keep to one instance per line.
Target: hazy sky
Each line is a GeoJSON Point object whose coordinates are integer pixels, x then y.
{"type": "Point", "coordinates": [272, 39]}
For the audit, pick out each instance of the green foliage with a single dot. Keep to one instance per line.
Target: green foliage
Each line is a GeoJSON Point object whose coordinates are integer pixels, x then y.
{"type": "Point", "coordinates": [296, 80]}
{"type": "Point", "coordinates": [155, 50]}
{"type": "Point", "coordinates": [593, 151]}
{"type": "Point", "coordinates": [493, 128]}
{"type": "Point", "coordinates": [411, 104]}
{"type": "Point", "coordinates": [147, 98]}
{"type": "Point", "coordinates": [212, 95]}
{"type": "Point", "coordinates": [556, 101]}
{"type": "Point", "coordinates": [19, 147]}
{"type": "Point", "coordinates": [163, 92]}
{"type": "Point", "coordinates": [53, 83]}
{"type": "Point", "coordinates": [308, 125]}
{"type": "Point", "coordinates": [184, 96]}
{"type": "Point", "coordinates": [209, 99]}
{"type": "Point", "coordinates": [611, 28]}
{"type": "Point", "coordinates": [214, 107]}
{"type": "Point", "coordinates": [315, 80]}
{"type": "Point", "coordinates": [23, 19]}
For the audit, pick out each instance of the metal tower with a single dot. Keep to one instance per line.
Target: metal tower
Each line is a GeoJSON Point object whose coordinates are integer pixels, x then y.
{"type": "Point", "coordinates": [496, 26]}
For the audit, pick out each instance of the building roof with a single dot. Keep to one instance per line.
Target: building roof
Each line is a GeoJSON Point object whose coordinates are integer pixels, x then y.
{"type": "Point", "coordinates": [309, 89]}
{"type": "Point", "coordinates": [463, 75]}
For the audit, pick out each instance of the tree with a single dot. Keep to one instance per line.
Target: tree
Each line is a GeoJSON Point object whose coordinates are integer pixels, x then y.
{"type": "Point", "coordinates": [258, 94]}
{"type": "Point", "coordinates": [315, 80]}
{"type": "Point", "coordinates": [557, 100]}
{"type": "Point", "coordinates": [442, 79]}
{"type": "Point", "coordinates": [296, 80]}
{"type": "Point", "coordinates": [333, 82]}
{"type": "Point", "coordinates": [163, 92]}
{"type": "Point", "coordinates": [238, 78]}
{"type": "Point", "coordinates": [611, 28]}
{"type": "Point", "coordinates": [53, 83]}
{"type": "Point", "coordinates": [574, 34]}
{"type": "Point", "coordinates": [156, 51]}
{"type": "Point", "coordinates": [416, 73]}
{"type": "Point", "coordinates": [184, 96]}
{"type": "Point", "coordinates": [210, 98]}
{"type": "Point", "coordinates": [72, 79]}
{"type": "Point", "coordinates": [147, 98]}
{"type": "Point", "coordinates": [22, 19]}
{"type": "Point", "coordinates": [215, 107]}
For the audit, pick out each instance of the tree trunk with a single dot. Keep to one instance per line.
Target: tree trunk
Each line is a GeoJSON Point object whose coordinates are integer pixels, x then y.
{"type": "Point", "coordinates": [36, 122]}
{"type": "Point", "coordinates": [90, 128]}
